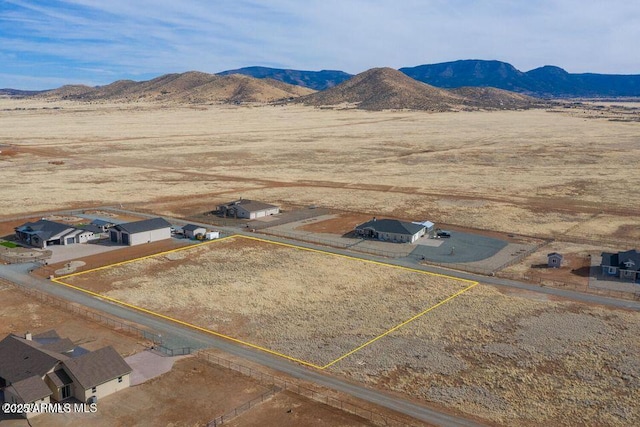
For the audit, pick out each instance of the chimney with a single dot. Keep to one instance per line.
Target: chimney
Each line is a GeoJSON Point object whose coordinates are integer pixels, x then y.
{"type": "Point", "coordinates": [28, 336]}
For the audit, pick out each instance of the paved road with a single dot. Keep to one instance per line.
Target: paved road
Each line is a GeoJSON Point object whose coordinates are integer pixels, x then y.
{"type": "Point", "coordinates": [175, 335]}
{"type": "Point", "coordinates": [411, 263]}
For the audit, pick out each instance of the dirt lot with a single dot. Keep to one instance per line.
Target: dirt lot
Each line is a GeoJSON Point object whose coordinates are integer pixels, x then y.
{"type": "Point", "coordinates": [514, 359]}
{"type": "Point", "coordinates": [257, 292]}
{"type": "Point", "coordinates": [20, 313]}
{"type": "Point", "coordinates": [515, 171]}
{"type": "Point", "coordinates": [191, 394]}
{"type": "Point", "coordinates": [341, 224]}
{"type": "Point", "coordinates": [120, 255]}
{"type": "Point", "coordinates": [290, 410]}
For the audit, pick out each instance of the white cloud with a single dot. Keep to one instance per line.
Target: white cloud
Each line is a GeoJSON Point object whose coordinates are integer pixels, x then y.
{"type": "Point", "coordinates": [128, 38]}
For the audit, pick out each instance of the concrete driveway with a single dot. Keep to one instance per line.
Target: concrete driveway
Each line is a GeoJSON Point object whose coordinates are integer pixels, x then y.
{"type": "Point", "coordinates": [149, 364]}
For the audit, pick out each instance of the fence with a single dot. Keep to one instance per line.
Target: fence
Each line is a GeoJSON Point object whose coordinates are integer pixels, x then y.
{"type": "Point", "coordinates": [243, 408]}
{"type": "Point", "coordinates": [87, 314]}
{"type": "Point", "coordinates": [273, 381]}
{"type": "Point", "coordinates": [173, 351]}
{"type": "Point", "coordinates": [574, 286]}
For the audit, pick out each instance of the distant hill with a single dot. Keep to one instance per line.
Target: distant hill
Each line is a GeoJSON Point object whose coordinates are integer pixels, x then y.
{"type": "Point", "coordinates": [189, 87]}
{"type": "Point", "coordinates": [316, 80]}
{"type": "Point", "coordinates": [547, 81]}
{"type": "Point", "coordinates": [15, 93]}
{"type": "Point", "coordinates": [386, 88]}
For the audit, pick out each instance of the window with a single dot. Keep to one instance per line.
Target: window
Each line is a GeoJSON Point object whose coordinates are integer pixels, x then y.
{"type": "Point", "coordinates": [119, 379]}
{"type": "Point", "coordinates": [94, 389]}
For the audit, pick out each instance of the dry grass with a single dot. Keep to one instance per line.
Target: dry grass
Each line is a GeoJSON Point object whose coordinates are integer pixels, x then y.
{"type": "Point", "coordinates": [514, 361]}
{"type": "Point", "coordinates": [308, 305]}
{"type": "Point", "coordinates": [530, 172]}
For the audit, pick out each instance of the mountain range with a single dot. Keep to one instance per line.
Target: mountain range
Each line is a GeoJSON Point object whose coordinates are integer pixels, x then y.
{"type": "Point", "coordinates": [190, 87]}
{"type": "Point", "coordinates": [544, 82]}
{"type": "Point", "coordinates": [389, 89]}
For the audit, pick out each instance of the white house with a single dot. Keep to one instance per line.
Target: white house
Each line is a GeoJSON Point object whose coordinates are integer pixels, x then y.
{"type": "Point", "coordinates": [248, 209]}
{"type": "Point", "coordinates": [391, 230]}
{"type": "Point", "coordinates": [139, 232]}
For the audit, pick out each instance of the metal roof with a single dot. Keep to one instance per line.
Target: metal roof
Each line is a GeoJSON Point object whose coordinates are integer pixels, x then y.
{"type": "Point", "coordinates": [250, 205]}
{"type": "Point", "coordinates": [192, 227]}
{"type": "Point", "coordinates": [391, 226]}
{"type": "Point", "coordinates": [144, 225]}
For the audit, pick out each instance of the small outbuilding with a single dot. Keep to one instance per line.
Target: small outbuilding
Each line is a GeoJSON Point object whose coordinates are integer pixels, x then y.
{"type": "Point", "coordinates": [138, 232]}
{"type": "Point", "coordinates": [554, 260]}
{"type": "Point", "coordinates": [192, 231]}
{"type": "Point", "coordinates": [248, 209]}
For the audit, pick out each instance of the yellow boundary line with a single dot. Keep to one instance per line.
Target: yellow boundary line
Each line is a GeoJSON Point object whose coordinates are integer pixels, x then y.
{"type": "Point", "coordinates": [59, 281]}
{"type": "Point", "coordinates": [395, 328]}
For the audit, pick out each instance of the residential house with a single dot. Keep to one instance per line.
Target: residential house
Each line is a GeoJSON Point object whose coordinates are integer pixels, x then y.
{"type": "Point", "coordinates": [391, 230]}
{"type": "Point", "coordinates": [625, 265]}
{"type": "Point", "coordinates": [139, 232]}
{"type": "Point", "coordinates": [45, 368]}
{"type": "Point", "coordinates": [248, 209]}
{"type": "Point", "coordinates": [45, 233]}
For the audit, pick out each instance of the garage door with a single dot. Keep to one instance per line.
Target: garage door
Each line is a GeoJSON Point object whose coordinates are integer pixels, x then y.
{"type": "Point", "coordinates": [125, 238]}
{"type": "Point", "coordinates": [114, 236]}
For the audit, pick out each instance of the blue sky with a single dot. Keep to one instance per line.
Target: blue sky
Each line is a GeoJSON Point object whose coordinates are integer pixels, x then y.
{"type": "Point", "coordinates": [48, 43]}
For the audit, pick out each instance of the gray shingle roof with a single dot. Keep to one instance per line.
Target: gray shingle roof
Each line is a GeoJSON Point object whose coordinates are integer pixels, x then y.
{"type": "Point", "coordinates": [22, 359]}
{"type": "Point", "coordinates": [97, 367]}
{"type": "Point", "coordinates": [144, 225]}
{"type": "Point", "coordinates": [391, 226]}
{"type": "Point", "coordinates": [31, 389]}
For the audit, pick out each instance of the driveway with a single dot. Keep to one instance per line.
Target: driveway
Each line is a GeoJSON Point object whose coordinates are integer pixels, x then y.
{"type": "Point", "coordinates": [149, 364]}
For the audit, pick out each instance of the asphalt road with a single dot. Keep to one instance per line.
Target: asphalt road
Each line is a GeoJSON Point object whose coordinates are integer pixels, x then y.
{"type": "Point", "coordinates": [175, 335]}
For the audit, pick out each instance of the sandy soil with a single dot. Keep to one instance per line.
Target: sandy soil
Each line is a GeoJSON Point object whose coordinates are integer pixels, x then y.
{"type": "Point", "coordinates": [526, 171]}
{"type": "Point", "coordinates": [288, 409]}
{"type": "Point", "coordinates": [20, 313]}
{"type": "Point", "coordinates": [257, 292]}
{"type": "Point", "coordinates": [514, 360]}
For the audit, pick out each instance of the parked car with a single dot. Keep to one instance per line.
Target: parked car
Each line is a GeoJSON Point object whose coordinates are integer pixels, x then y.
{"type": "Point", "coordinates": [443, 234]}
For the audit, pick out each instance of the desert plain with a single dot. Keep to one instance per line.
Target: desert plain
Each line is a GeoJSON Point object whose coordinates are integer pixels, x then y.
{"type": "Point", "coordinates": [508, 358]}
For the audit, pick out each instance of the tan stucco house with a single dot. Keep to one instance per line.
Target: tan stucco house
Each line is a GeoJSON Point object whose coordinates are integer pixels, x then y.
{"type": "Point", "coordinates": [46, 368]}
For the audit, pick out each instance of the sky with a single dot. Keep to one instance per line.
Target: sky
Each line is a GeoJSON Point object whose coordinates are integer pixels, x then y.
{"type": "Point", "coordinates": [48, 43]}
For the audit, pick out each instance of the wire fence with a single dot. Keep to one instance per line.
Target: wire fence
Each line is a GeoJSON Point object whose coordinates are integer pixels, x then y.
{"type": "Point", "coordinates": [243, 408]}
{"type": "Point", "coordinates": [282, 384]}
{"type": "Point", "coordinates": [88, 314]}
{"type": "Point", "coordinates": [182, 351]}
{"type": "Point", "coordinates": [574, 286]}
{"type": "Point", "coordinates": [18, 259]}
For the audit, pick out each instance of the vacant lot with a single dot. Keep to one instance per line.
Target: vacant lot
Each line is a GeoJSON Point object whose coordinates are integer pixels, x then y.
{"type": "Point", "coordinates": [308, 305]}
{"type": "Point", "coordinates": [530, 172]}
{"type": "Point", "coordinates": [514, 359]}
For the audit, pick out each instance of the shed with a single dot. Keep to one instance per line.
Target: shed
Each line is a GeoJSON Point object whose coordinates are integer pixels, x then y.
{"type": "Point", "coordinates": [191, 230]}
{"type": "Point", "coordinates": [138, 232]}
{"type": "Point", "coordinates": [249, 209]}
{"type": "Point", "coordinates": [554, 260]}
